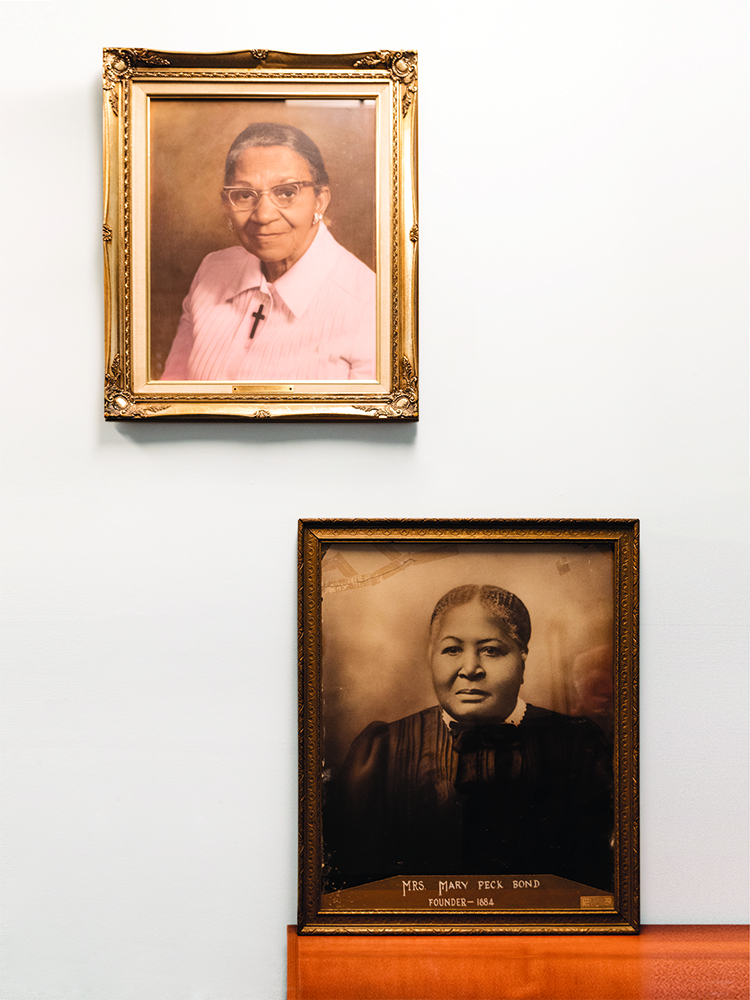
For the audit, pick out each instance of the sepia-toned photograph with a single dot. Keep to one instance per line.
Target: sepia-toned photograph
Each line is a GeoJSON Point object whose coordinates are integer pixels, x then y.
{"type": "Point", "coordinates": [260, 235]}
{"type": "Point", "coordinates": [468, 715]}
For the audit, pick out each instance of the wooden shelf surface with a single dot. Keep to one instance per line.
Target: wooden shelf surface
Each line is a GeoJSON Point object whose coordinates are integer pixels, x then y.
{"type": "Point", "coordinates": [664, 962]}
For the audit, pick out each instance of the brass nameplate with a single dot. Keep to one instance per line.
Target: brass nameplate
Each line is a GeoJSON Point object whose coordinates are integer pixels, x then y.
{"type": "Point", "coordinates": [257, 387]}
{"type": "Point", "coordinates": [597, 902]}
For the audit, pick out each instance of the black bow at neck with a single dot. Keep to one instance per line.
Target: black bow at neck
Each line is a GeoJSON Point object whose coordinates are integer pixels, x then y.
{"type": "Point", "coordinates": [492, 737]}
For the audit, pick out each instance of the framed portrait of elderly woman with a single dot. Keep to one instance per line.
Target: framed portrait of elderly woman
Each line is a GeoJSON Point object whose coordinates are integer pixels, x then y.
{"type": "Point", "coordinates": [468, 726]}
{"type": "Point", "coordinates": [260, 235]}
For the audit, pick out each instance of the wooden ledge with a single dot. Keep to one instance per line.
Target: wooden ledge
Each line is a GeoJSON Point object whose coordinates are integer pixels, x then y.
{"type": "Point", "coordinates": [665, 962]}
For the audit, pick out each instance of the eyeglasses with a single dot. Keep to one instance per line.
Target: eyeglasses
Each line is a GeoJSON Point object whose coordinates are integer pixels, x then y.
{"type": "Point", "coordinates": [245, 199]}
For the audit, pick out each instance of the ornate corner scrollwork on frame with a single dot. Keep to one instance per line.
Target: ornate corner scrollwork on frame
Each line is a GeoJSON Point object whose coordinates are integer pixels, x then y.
{"type": "Point", "coordinates": [120, 64]}
{"type": "Point", "coordinates": [119, 401]}
{"type": "Point", "coordinates": [402, 403]}
{"type": "Point", "coordinates": [403, 69]}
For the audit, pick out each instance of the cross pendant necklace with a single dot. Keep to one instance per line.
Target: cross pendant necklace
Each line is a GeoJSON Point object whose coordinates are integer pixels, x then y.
{"type": "Point", "coordinates": [257, 316]}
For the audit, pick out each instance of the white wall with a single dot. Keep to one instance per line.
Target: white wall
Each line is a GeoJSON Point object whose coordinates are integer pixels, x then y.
{"type": "Point", "coordinates": [583, 353]}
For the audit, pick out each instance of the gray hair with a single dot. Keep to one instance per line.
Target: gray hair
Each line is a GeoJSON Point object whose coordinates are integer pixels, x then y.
{"type": "Point", "coordinates": [509, 610]}
{"type": "Point", "coordinates": [275, 134]}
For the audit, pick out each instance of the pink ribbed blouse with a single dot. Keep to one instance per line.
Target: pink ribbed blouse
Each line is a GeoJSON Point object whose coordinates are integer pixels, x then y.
{"type": "Point", "coordinates": [318, 319]}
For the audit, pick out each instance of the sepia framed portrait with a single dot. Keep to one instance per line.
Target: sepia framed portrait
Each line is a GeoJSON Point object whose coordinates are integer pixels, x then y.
{"type": "Point", "coordinates": [468, 726]}
{"type": "Point", "coordinates": [260, 235]}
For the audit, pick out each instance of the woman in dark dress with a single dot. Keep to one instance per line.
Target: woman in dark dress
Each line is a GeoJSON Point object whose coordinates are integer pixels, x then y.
{"type": "Point", "coordinates": [482, 783]}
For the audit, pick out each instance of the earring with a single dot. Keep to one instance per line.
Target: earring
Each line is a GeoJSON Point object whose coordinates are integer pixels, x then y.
{"type": "Point", "coordinates": [317, 218]}
{"type": "Point", "coordinates": [230, 225]}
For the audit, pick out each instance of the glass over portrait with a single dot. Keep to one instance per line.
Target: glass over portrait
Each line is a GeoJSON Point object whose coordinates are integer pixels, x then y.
{"type": "Point", "coordinates": [504, 768]}
{"type": "Point", "coordinates": [467, 728]}
{"type": "Point", "coordinates": [263, 245]}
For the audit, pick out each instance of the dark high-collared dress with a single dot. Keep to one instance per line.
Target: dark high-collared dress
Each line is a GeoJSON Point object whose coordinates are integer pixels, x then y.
{"type": "Point", "coordinates": [415, 798]}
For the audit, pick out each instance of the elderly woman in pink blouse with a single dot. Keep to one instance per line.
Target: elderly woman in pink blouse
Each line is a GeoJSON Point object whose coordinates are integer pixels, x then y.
{"type": "Point", "coordinates": [289, 302]}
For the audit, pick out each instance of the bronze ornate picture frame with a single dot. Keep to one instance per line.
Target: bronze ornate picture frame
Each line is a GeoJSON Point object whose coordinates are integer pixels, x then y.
{"type": "Point", "coordinates": [260, 235]}
{"type": "Point", "coordinates": [468, 726]}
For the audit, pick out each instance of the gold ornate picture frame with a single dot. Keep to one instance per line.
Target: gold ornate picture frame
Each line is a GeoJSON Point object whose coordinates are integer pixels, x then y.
{"type": "Point", "coordinates": [436, 794]}
{"type": "Point", "coordinates": [173, 233]}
